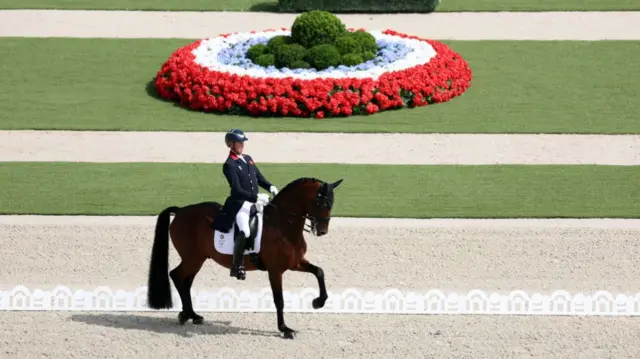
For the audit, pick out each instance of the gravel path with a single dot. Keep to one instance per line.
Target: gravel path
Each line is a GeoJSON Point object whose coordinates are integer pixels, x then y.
{"type": "Point", "coordinates": [461, 26]}
{"type": "Point", "coordinates": [420, 149]}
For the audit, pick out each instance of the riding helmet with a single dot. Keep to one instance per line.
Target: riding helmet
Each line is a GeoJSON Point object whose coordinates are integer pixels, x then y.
{"type": "Point", "coordinates": [235, 135]}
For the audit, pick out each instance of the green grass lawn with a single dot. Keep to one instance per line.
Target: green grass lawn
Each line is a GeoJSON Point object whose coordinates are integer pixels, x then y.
{"type": "Point", "coordinates": [265, 5]}
{"type": "Point", "coordinates": [518, 87]}
{"type": "Point", "coordinates": [367, 190]}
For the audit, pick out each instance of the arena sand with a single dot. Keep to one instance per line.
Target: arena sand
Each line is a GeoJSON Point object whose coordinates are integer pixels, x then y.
{"type": "Point", "coordinates": [153, 335]}
{"type": "Point", "coordinates": [456, 255]}
{"type": "Point", "coordinates": [376, 255]}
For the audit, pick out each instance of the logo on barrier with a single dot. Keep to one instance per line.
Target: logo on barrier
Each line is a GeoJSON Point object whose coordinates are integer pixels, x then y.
{"type": "Point", "coordinates": [393, 301]}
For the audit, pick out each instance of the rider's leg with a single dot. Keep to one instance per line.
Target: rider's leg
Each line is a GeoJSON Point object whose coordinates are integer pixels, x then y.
{"type": "Point", "coordinates": [242, 219]}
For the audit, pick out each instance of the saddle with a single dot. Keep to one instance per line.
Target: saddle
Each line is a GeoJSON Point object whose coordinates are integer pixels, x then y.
{"type": "Point", "coordinates": [253, 228]}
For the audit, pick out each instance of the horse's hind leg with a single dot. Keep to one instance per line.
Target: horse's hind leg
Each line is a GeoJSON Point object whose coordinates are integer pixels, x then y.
{"type": "Point", "coordinates": [183, 276]}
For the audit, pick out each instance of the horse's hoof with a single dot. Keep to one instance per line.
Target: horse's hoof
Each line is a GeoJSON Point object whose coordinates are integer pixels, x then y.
{"type": "Point", "coordinates": [318, 303]}
{"type": "Point", "coordinates": [198, 320]}
{"type": "Point", "coordinates": [183, 318]}
{"type": "Point", "coordinates": [288, 332]}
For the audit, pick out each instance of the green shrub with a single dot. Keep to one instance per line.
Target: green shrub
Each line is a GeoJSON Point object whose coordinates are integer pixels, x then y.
{"type": "Point", "coordinates": [368, 55]}
{"type": "Point", "coordinates": [266, 60]}
{"type": "Point", "coordinates": [366, 6]}
{"type": "Point", "coordinates": [351, 59]}
{"type": "Point", "coordinates": [316, 28]}
{"type": "Point", "coordinates": [285, 55]}
{"type": "Point", "coordinates": [347, 45]}
{"type": "Point", "coordinates": [318, 40]}
{"type": "Point", "coordinates": [323, 56]}
{"type": "Point", "coordinates": [300, 64]}
{"type": "Point", "coordinates": [277, 41]}
{"type": "Point", "coordinates": [255, 51]}
{"type": "Point", "coordinates": [366, 41]}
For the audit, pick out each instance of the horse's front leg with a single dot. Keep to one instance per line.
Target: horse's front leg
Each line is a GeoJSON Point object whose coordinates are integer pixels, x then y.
{"type": "Point", "coordinates": [275, 279]}
{"type": "Point", "coordinates": [306, 267]}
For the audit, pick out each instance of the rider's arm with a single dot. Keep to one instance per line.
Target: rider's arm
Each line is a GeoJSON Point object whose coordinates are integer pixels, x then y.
{"type": "Point", "coordinates": [231, 174]}
{"type": "Point", "coordinates": [262, 182]}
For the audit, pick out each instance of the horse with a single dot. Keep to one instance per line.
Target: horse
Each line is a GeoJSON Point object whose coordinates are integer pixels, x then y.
{"type": "Point", "coordinates": [282, 247]}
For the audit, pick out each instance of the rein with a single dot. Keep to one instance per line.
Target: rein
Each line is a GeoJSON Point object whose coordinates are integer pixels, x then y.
{"type": "Point", "coordinates": [295, 214]}
{"type": "Point", "coordinates": [322, 201]}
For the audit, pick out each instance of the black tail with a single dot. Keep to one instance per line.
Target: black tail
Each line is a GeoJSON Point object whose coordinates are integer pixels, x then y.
{"type": "Point", "coordinates": [158, 286]}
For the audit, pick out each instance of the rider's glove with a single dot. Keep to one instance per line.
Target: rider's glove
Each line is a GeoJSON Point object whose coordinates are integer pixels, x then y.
{"type": "Point", "coordinates": [273, 190]}
{"type": "Point", "coordinates": [263, 198]}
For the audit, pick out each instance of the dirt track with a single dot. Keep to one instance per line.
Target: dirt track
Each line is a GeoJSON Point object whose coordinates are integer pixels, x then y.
{"type": "Point", "coordinates": [614, 25]}
{"type": "Point", "coordinates": [278, 147]}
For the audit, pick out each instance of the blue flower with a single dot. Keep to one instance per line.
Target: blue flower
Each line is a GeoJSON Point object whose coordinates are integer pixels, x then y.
{"type": "Point", "coordinates": [389, 53]}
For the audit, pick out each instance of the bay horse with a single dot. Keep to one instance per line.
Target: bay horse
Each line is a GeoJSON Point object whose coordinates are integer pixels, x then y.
{"type": "Point", "coordinates": [282, 247]}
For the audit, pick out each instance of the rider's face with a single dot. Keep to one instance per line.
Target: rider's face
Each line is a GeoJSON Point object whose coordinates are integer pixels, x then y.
{"type": "Point", "coordinates": [237, 147]}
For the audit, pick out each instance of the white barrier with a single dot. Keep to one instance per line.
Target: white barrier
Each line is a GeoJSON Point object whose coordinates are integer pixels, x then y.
{"type": "Point", "coordinates": [394, 301]}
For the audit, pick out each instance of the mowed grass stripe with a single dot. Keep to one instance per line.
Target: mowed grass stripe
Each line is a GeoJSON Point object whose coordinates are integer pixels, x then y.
{"type": "Point", "coordinates": [368, 190]}
{"type": "Point", "coordinates": [265, 5]}
{"type": "Point", "coordinates": [518, 87]}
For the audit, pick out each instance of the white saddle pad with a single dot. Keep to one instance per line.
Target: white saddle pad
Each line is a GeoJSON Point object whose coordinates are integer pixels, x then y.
{"type": "Point", "coordinates": [223, 242]}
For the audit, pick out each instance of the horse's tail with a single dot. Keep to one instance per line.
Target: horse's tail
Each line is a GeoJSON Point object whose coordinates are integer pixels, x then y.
{"type": "Point", "coordinates": [158, 287]}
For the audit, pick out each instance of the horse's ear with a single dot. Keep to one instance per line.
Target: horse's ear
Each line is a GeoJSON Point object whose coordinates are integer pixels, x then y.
{"type": "Point", "coordinates": [336, 183]}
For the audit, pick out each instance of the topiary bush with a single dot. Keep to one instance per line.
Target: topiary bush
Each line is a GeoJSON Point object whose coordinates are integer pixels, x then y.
{"type": "Point", "coordinates": [347, 45]}
{"type": "Point", "coordinates": [316, 28]}
{"type": "Point", "coordinates": [277, 41]}
{"type": "Point", "coordinates": [266, 60]}
{"type": "Point", "coordinates": [300, 64]}
{"type": "Point", "coordinates": [368, 55]}
{"type": "Point", "coordinates": [366, 41]}
{"type": "Point", "coordinates": [285, 55]}
{"type": "Point", "coordinates": [323, 56]}
{"type": "Point", "coordinates": [255, 51]}
{"type": "Point", "coordinates": [351, 59]}
{"type": "Point", "coordinates": [318, 40]}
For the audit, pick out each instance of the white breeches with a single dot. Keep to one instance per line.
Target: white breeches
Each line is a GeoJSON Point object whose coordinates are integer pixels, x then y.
{"type": "Point", "coordinates": [242, 218]}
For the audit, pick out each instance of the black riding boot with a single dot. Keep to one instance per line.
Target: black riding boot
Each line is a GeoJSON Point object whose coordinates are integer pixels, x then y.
{"type": "Point", "coordinates": [237, 267]}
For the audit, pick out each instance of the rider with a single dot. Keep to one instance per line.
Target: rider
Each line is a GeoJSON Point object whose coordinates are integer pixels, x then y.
{"type": "Point", "coordinates": [244, 177]}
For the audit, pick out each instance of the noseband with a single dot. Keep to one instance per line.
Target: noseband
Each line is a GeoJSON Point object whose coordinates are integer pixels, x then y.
{"type": "Point", "coordinates": [323, 201]}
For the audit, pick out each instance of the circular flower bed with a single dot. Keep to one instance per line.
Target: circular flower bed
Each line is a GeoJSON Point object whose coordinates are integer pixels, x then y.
{"type": "Point", "coordinates": [218, 75]}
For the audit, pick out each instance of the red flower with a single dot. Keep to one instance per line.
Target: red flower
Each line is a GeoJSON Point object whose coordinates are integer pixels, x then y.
{"type": "Point", "coordinates": [444, 77]}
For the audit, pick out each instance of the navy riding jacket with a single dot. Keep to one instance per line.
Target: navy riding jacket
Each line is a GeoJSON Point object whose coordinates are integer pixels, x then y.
{"type": "Point", "coordinates": [244, 178]}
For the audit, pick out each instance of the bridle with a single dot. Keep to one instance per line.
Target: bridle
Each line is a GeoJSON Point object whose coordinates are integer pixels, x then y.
{"type": "Point", "coordinates": [323, 201]}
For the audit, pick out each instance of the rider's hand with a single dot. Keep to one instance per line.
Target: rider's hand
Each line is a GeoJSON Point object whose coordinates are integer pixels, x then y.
{"type": "Point", "coordinates": [273, 190]}
{"type": "Point", "coordinates": [263, 198]}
